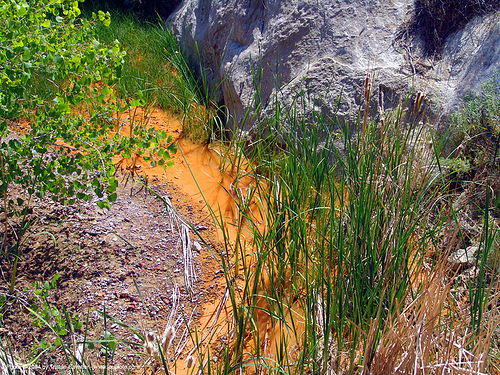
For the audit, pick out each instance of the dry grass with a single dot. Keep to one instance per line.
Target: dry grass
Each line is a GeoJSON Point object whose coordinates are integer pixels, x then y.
{"type": "Point", "coordinates": [432, 335]}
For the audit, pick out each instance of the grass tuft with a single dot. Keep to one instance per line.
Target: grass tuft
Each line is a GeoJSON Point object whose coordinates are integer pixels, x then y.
{"type": "Point", "coordinates": [156, 67]}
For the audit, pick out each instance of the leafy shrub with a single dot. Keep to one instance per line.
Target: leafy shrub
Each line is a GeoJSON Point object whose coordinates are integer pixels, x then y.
{"type": "Point", "coordinates": [480, 112]}
{"type": "Point", "coordinates": [64, 155]}
{"type": "Point", "coordinates": [458, 166]}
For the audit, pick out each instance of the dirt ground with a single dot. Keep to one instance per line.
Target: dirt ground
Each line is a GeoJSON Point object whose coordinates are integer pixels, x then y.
{"type": "Point", "coordinates": [127, 261]}
{"type": "Point", "coordinates": [105, 258]}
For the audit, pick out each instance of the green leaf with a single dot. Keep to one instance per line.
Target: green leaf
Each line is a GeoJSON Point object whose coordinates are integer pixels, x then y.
{"type": "Point", "coordinates": [62, 332]}
{"type": "Point", "coordinates": [138, 101]}
{"type": "Point", "coordinates": [54, 280]}
{"type": "Point", "coordinates": [22, 9]}
{"type": "Point", "coordinates": [103, 204]}
{"type": "Point", "coordinates": [26, 54]}
{"type": "Point", "coordinates": [44, 344]}
{"type": "Point", "coordinates": [46, 23]}
{"type": "Point", "coordinates": [58, 58]}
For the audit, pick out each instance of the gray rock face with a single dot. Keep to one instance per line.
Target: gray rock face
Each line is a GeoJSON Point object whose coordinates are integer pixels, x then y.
{"type": "Point", "coordinates": [254, 51]}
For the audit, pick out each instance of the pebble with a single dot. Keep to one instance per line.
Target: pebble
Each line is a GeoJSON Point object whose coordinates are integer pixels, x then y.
{"type": "Point", "coordinates": [463, 258]}
{"type": "Point", "coordinates": [124, 294]}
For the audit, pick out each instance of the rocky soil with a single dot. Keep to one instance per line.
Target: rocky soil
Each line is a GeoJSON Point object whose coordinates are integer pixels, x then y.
{"type": "Point", "coordinates": [127, 262]}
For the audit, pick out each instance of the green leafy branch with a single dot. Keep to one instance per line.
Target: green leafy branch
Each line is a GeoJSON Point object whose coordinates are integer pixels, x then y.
{"type": "Point", "coordinates": [67, 152]}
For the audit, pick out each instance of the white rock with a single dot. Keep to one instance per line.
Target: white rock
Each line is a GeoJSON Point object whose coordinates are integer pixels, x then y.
{"type": "Point", "coordinates": [328, 46]}
{"type": "Point", "coordinates": [463, 258]}
{"type": "Point", "coordinates": [197, 246]}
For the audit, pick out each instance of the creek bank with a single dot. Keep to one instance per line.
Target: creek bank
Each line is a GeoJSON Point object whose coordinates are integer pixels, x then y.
{"type": "Point", "coordinates": [101, 255]}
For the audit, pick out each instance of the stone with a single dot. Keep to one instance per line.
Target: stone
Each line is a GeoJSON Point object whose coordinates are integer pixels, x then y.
{"type": "Point", "coordinates": [256, 51]}
{"type": "Point", "coordinates": [197, 246]}
{"type": "Point", "coordinates": [110, 237]}
{"type": "Point", "coordinates": [463, 258]}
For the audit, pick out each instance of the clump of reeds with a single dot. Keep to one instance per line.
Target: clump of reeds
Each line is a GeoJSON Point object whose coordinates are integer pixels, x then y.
{"type": "Point", "coordinates": [339, 264]}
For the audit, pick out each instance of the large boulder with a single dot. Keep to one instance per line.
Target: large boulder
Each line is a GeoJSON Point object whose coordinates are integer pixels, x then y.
{"type": "Point", "coordinates": [254, 51]}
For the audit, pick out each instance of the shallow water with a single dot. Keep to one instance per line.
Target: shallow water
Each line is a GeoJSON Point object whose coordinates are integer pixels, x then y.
{"type": "Point", "coordinates": [199, 171]}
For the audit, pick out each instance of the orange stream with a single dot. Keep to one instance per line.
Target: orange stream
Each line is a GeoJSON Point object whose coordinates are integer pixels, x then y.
{"type": "Point", "coordinates": [197, 172]}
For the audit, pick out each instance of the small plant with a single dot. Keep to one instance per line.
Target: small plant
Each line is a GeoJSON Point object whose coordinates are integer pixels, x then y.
{"type": "Point", "coordinates": [108, 344]}
{"type": "Point", "coordinates": [458, 166]}
{"type": "Point", "coordinates": [61, 324]}
{"type": "Point", "coordinates": [479, 116]}
{"type": "Point", "coordinates": [64, 156]}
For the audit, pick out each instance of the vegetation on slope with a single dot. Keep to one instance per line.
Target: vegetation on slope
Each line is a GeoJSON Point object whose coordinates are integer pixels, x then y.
{"type": "Point", "coordinates": [347, 269]}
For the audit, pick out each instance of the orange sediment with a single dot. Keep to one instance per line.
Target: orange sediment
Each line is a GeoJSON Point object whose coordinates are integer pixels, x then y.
{"type": "Point", "coordinates": [197, 171]}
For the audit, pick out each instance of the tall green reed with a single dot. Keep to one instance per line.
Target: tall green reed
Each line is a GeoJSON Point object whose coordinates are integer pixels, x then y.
{"type": "Point", "coordinates": [157, 67]}
{"type": "Point", "coordinates": [344, 236]}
